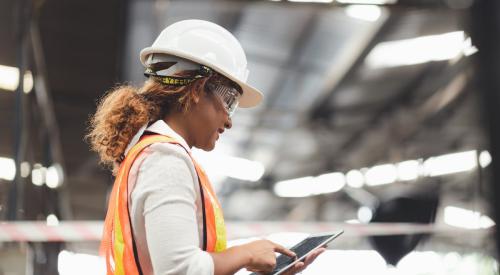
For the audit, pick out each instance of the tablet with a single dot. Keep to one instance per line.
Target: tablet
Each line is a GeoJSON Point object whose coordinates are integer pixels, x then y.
{"type": "Point", "coordinates": [303, 249]}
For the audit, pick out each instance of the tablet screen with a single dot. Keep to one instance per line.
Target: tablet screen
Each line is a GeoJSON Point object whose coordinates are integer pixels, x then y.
{"type": "Point", "coordinates": [302, 249]}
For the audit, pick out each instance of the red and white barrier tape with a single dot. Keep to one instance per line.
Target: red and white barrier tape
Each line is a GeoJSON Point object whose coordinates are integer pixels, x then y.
{"type": "Point", "coordinates": [76, 231]}
{"type": "Point", "coordinates": [39, 231]}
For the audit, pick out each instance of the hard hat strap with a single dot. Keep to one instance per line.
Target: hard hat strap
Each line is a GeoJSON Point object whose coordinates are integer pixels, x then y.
{"type": "Point", "coordinates": [179, 81]}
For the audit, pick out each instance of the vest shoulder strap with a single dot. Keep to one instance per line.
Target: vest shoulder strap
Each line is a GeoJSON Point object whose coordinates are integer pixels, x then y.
{"type": "Point", "coordinates": [156, 138]}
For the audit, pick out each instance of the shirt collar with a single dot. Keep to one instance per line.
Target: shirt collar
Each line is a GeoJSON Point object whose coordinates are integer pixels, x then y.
{"type": "Point", "coordinates": [159, 127]}
{"type": "Point", "coordinates": [162, 128]}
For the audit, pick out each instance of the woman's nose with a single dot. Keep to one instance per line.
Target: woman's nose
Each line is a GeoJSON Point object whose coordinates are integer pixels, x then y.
{"type": "Point", "coordinates": [229, 123]}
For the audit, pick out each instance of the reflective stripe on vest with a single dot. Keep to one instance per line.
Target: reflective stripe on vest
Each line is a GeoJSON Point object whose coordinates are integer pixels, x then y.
{"type": "Point", "coordinates": [117, 244]}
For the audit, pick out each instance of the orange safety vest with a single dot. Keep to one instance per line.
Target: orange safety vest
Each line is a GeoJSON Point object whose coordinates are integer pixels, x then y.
{"type": "Point", "coordinates": [117, 244]}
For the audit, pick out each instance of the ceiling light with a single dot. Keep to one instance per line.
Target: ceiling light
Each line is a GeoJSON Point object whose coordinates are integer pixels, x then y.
{"type": "Point", "coordinates": [9, 79]}
{"type": "Point", "coordinates": [7, 169]}
{"type": "Point", "coordinates": [369, 13]}
{"type": "Point", "coordinates": [52, 220]}
{"type": "Point", "coordinates": [419, 50]}
{"type": "Point", "coordinates": [450, 163]}
{"type": "Point", "coordinates": [484, 158]}
{"type": "Point", "coordinates": [408, 170]}
{"type": "Point", "coordinates": [381, 174]}
{"type": "Point", "coordinates": [235, 167]}
{"type": "Point", "coordinates": [464, 218]}
{"type": "Point", "coordinates": [311, 1]}
{"type": "Point", "coordinates": [355, 178]}
{"type": "Point", "coordinates": [25, 169]}
{"type": "Point", "coordinates": [369, 2]}
{"type": "Point", "coordinates": [54, 176]}
{"type": "Point", "coordinates": [328, 183]}
{"type": "Point", "coordinates": [365, 214]}
{"type": "Point", "coordinates": [310, 186]}
{"type": "Point", "coordinates": [486, 222]}
{"type": "Point", "coordinates": [469, 49]}
{"type": "Point", "coordinates": [294, 188]}
{"type": "Point", "coordinates": [38, 174]}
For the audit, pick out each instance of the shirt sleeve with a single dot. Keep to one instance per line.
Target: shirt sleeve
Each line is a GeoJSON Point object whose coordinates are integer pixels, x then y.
{"type": "Point", "coordinates": [171, 226]}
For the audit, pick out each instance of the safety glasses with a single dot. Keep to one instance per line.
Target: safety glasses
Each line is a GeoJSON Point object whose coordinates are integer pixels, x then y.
{"type": "Point", "coordinates": [226, 93]}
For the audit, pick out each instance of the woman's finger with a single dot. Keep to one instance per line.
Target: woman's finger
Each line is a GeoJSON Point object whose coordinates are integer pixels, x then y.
{"type": "Point", "coordinates": [298, 267]}
{"type": "Point", "coordinates": [310, 258]}
{"type": "Point", "coordinates": [285, 251]}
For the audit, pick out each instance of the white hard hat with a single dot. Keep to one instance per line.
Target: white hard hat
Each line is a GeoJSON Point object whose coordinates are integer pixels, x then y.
{"type": "Point", "coordinates": [208, 44]}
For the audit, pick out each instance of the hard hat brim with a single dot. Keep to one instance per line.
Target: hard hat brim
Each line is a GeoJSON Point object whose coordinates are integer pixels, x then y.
{"type": "Point", "coordinates": [251, 97]}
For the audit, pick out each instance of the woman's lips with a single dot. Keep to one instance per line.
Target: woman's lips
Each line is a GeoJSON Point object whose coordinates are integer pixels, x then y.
{"type": "Point", "coordinates": [219, 132]}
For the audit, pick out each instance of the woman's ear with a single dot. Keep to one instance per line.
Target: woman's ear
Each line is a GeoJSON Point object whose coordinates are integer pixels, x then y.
{"type": "Point", "coordinates": [196, 98]}
{"type": "Point", "coordinates": [198, 93]}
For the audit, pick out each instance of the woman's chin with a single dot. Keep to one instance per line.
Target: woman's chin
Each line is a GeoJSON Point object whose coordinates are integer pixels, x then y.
{"type": "Point", "coordinates": [209, 146]}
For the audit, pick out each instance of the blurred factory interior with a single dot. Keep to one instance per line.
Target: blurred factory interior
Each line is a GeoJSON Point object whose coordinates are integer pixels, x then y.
{"type": "Point", "coordinates": [380, 117]}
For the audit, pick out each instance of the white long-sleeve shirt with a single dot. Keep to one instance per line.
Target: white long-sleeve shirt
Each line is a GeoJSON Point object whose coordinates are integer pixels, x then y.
{"type": "Point", "coordinates": [165, 209]}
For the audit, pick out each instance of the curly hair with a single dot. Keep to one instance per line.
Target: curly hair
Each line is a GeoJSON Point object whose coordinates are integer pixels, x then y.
{"type": "Point", "coordinates": [123, 110]}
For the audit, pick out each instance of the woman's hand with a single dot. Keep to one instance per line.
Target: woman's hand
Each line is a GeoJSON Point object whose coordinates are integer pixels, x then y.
{"type": "Point", "coordinates": [262, 257]}
{"type": "Point", "coordinates": [257, 256]}
{"type": "Point", "coordinates": [300, 266]}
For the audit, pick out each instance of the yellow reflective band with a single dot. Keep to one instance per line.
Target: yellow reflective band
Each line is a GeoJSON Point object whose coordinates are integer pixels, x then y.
{"type": "Point", "coordinates": [220, 227]}
{"type": "Point", "coordinates": [221, 243]}
{"type": "Point", "coordinates": [118, 244]}
{"type": "Point", "coordinates": [167, 80]}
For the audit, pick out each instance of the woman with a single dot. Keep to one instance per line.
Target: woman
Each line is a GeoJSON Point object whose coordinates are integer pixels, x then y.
{"type": "Point", "coordinates": [163, 216]}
